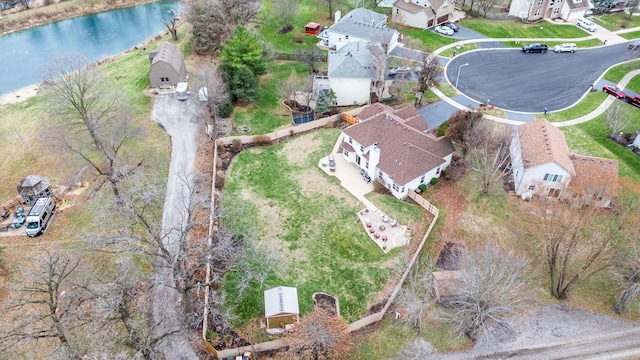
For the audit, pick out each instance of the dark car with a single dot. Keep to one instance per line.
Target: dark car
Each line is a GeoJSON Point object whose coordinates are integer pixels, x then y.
{"type": "Point", "coordinates": [452, 26]}
{"type": "Point", "coordinates": [541, 48]}
{"type": "Point", "coordinates": [615, 91]}
{"type": "Point", "coordinates": [635, 100]}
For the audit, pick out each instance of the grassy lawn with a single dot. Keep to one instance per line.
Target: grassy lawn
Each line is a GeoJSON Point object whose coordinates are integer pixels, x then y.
{"type": "Point", "coordinates": [631, 35]}
{"type": "Point", "coordinates": [459, 49]}
{"type": "Point", "coordinates": [584, 107]}
{"type": "Point", "coordinates": [308, 10]}
{"type": "Point", "coordinates": [267, 113]}
{"type": "Point", "coordinates": [616, 73]}
{"type": "Point", "coordinates": [590, 138]}
{"type": "Point", "coordinates": [516, 29]}
{"type": "Point", "coordinates": [430, 40]}
{"type": "Point", "coordinates": [617, 21]}
{"type": "Point", "coordinates": [313, 222]}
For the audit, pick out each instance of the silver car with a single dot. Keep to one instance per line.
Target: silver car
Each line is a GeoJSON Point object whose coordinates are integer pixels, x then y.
{"type": "Point", "coordinates": [566, 47]}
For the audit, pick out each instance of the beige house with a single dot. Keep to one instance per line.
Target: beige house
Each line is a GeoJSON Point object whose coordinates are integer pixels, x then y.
{"type": "Point", "coordinates": [542, 165]}
{"type": "Point", "coordinates": [421, 14]}
{"type": "Point", "coordinates": [532, 10]}
{"type": "Point", "coordinates": [167, 66]}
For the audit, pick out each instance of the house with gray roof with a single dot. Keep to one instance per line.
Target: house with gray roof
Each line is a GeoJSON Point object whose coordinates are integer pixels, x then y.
{"type": "Point", "coordinates": [391, 147]}
{"type": "Point", "coordinates": [167, 66]}
{"type": "Point", "coordinates": [351, 74]}
{"type": "Point", "coordinates": [422, 14]}
{"type": "Point", "coordinates": [359, 25]}
{"type": "Point", "coordinates": [568, 10]}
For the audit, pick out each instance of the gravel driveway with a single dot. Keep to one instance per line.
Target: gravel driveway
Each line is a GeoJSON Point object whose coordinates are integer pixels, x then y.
{"type": "Point", "coordinates": [178, 118]}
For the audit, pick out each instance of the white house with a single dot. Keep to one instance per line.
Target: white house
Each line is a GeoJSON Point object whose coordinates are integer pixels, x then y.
{"type": "Point", "coordinates": [359, 25]}
{"type": "Point", "coordinates": [281, 307]}
{"type": "Point", "coordinates": [532, 10]}
{"type": "Point", "coordinates": [351, 74]}
{"type": "Point", "coordinates": [391, 147]}
{"type": "Point", "coordinates": [421, 14]}
{"type": "Point", "coordinates": [541, 164]}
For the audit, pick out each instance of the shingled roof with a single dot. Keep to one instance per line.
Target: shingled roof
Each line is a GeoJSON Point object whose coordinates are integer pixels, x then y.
{"type": "Point", "coordinates": [353, 60]}
{"type": "Point", "coordinates": [405, 152]}
{"type": "Point", "coordinates": [170, 54]}
{"type": "Point", "coordinates": [541, 143]}
{"type": "Point", "coordinates": [364, 24]}
{"type": "Point", "coordinates": [594, 175]}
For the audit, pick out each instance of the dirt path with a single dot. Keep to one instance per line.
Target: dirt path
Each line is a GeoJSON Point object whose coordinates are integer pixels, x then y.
{"type": "Point", "coordinates": [178, 120]}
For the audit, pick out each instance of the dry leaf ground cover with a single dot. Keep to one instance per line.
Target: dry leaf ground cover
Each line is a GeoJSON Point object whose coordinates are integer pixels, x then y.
{"type": "Point", "coordinates": [313, 222]}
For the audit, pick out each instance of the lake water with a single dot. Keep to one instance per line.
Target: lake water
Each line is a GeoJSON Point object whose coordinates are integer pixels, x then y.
{"type": "Point", "coordinates": [23, 54]}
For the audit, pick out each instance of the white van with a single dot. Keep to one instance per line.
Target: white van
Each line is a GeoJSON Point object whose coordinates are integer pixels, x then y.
{"type": "Point", "coordinates": [40, 215]}
{"type": "Point", "coordinates": [586, 24]}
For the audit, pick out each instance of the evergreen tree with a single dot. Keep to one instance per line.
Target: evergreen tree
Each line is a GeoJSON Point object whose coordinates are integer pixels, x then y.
{"type": "Point", "coordinates": [244, 49]}
{"type": "Point", "coordinates": [244, 85]}
{"type": "Point", "coordinates": [325, 99]}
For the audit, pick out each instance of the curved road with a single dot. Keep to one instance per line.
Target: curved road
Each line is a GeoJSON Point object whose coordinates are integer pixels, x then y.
{"type": "Point", "coordinates": [516, 81]}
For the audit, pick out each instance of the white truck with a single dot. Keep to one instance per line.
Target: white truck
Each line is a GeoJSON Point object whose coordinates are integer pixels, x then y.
{"type": "Point", "coordinates": [40, 216]}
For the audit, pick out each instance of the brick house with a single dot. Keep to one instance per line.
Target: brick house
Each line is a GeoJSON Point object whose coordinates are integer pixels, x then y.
{"type": "Point", "coordinates": [421, 14]}
{"type": "Point", "coordinates": [542, 165]}
{"type": "Point", "coordinates": [391, 147]}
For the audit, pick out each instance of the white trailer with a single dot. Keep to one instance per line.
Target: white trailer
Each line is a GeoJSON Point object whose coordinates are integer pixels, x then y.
{"type": "Point", "coordinates": [40, 216]}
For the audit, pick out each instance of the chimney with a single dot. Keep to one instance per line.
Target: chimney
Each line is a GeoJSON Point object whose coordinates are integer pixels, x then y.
{"type": "Point", "coordinates": [337, 16]}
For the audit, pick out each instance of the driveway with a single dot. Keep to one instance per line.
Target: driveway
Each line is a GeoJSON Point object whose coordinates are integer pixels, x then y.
{"type": "Point", "coordinates": [522, 82]}
{"type": "Point", "coordinates": [178, 120]}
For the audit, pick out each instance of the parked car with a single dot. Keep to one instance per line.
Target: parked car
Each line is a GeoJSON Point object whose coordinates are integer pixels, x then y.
{"type": "Point", "coordinates": [588, 12]}
{"type": "Point", "coordinates": [635, 100]}
{"type": "Point", "coordinates": [566, 47]}
{"type": "Point", "coordinates": [615, 91]}
{"type": "Point", "coordinates": [586, 24]}
{"type": "Point", "coordinates": [443, 30]}
{"type": "Point", "coordinates": [399, 71]}
{"type": "Point", "coordinates": [536, 47]}
{"type": "Point", "coordinates": [452, 26]}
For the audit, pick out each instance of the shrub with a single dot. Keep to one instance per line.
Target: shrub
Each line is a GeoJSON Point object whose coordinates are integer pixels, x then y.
{"type": "Point", "coordinates": [212, 335]}
{"type": "Point", "coordinates": [225, 110]}
{"type": "Point", "coordinates": [236, 145]}
{"type": "Point", "coordinates": [434, 181]}
{"type": "Point", "coordinates": [262, 140]}
{"type": "Point", "coordinates": [423, 187]}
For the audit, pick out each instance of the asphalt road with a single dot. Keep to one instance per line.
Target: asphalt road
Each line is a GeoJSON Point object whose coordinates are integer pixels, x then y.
{"type": "Point", "coordinates": [513, 80]}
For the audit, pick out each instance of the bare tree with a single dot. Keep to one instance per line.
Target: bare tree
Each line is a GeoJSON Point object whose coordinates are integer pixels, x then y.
{"type": "Point", "coordinates": [216, 94]}
{"type": "Point", "coordinates": [94, 125]}
{"type": "Point", "coordinates": [311, 56]}
{"type": "Point", "coordinates": [430, 74]}
{"type": "Point", "coordinates": [578, 239]}
{"type": "Point", "coordinates": [628, 274]}
{"type": "Point", "coordinates": [615, 119]}
{"type": "Point", "coordinates": [319, 335]}
{"type": "Point", "coordinates": [44, 312]}
{"type": "Point", "coordinates": [171, 26]}
{"type": "Point", "coordinates": [283, 12]}
{"type": "Point", "coordinates": [459, 129]}
{"type": "Point", "coordinates": [414, 300]}
{"type": "Point", "coordinates": [215, 21]}
{"type": "Point", "coordinates": [490, 154]}
{"type": "Point", "coordinates": [330, 3]}
{"type": "Point", "coordinates": [633, 7]}
{"type": "Point", "coordinates": [486, 5]}
{"type": "Point", "coordinates": [417, 349]}
{"type": "Point", "coordinates": [491, 290]}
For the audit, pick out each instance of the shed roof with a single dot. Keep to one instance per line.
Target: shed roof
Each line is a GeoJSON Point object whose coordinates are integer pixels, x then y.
{"type": "Point", "coordinates": [170, 54]}
{"type": "Point", "coordinates": [448, 282]}
{"type": "Point", "coordinates": [33, 185]}
{"type": "Point", "coordinates": [541, 143]}
{"type": "Point", "coordinates": [281, 300]}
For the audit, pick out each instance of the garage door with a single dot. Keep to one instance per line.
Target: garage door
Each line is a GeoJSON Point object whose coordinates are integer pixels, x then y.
{"type": "Point", "coordinates": [442, 19]}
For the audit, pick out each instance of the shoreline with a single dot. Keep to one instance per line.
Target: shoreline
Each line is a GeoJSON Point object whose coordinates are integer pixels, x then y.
{"type": "Point", "coordinates": [20, 95]}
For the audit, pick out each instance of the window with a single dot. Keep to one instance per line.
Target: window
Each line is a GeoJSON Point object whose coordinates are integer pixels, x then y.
{"type": "Point", "coordinates": [532, 187]}
{"type": "Point", "coordinates": [396, 187]}
{"type": "Point", "coordinates": [380, 174]}
{"type": "Point", "coordinates": [540, 2]}
{"type": "Point", "coordinates": [346, 153]}
{"type": "Point", "coordinates": [397, 11]}
{"type": "Point", "coordinates": [556, 10]}
{"type": "Point", "coordinates": [438, 170]}
{"type": "Point", "coordinates": [552, 177]}
{"type": "Point", "coordinates": [554, 193]}
{"type": "Point", "coordinates": [350, 141]}
{"type": "Point", "coordinates": [346, 37]}
{"type": "Point", "coordinates": [445, 6]}
{"type": "Point", "coordinates": [366, 165]}
{"type": "Point", "coordinates": [361, 148]}
{"type": "Point", "coordinates": [402, 191]}
{"type": "Point", "coordinates": [422, 179]}
{"type": "Point", "coordinates": [537, 13]}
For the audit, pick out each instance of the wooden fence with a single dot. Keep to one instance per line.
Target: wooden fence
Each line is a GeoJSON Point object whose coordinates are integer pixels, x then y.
{"type": "Point", "coordinates": [350, 119]}
{"type": "Point", "coordinates": [358, 324]}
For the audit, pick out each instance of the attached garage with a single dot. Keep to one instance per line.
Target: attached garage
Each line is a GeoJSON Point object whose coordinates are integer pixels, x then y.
{"type": "Point", "coordinates": [443, 19]}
